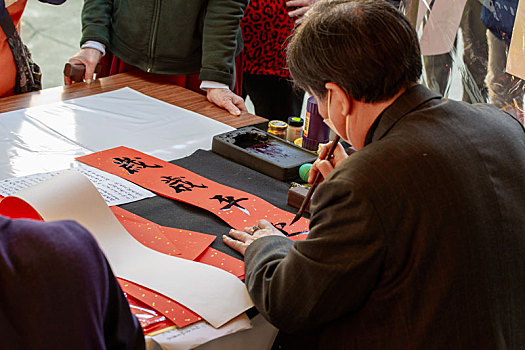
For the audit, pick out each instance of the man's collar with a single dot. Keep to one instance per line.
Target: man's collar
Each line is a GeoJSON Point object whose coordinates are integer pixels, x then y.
{"type": "Point", "coordinates": [404, 104]}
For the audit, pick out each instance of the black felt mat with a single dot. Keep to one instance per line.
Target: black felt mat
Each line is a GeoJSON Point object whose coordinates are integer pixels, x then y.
{"type": "Point", "coordinates": [168, 212]}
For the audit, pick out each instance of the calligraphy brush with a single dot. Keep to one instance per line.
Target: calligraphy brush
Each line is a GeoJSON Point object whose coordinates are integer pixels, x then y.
{"type": "Point", "coordinates": [316, 182]}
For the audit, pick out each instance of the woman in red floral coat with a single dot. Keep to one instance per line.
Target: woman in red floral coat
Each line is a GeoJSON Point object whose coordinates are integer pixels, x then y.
{"type": "Point", "coordinates": [266, 26]}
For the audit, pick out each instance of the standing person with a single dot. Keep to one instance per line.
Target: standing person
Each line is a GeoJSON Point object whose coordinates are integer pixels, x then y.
{"type": "Point", "coordinates": [266, 27]}
{"type": "Point", "coordinates": [505, 90]}
{"type": "Point", "coordinates": [8, 73]}
{"type": "Point", "coordinates": [194, 43]}
{"type": "Point", "coordinates": [417, 239]}
{"type": "Point", "coordinates": [473, 66]}
{"type": "Point", "coordinates": [57, 290]}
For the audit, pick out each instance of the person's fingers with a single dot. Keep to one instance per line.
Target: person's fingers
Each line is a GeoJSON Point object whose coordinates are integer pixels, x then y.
{"type": "Point", "coordinates": [250, 230]}
{"type": "Point", "coordinates": [90, 71]}
{"type": "Point", "coordinates": [239, 102]}
{"type": "Point", "coordinates": [293, 3]}
{"type": "Point", "coordinates": [240, 235]}
{"type": "Point", "coordinates": [267, 229]}
{"type": "Point", "coordinates": [313, 172]}
{"type": "Point", "coordinates": [234, 244]}
{"type": "Point", "coordinates": [339, 155]}
{"type": "Point", "coordinates": [300, 20]}
{"type": "Point", "coordinates": [76, 60]}
{"type": "Point", "coordinates": [72, 60]}
{"type": "Point", "coordinates": [88, 57]}
{"type": "Point", "coordinates": [324, 150]}
{"type": "Point", "coordinates": [226, 99]}
{"type": "Point", "coordinates": [265, 224]}
{"type": "Point", "coordinates": [299, 12]}
{"type": "Point", "coordinates": [231, 107]}
{"type": "Point", "coordinates": [325, 167]}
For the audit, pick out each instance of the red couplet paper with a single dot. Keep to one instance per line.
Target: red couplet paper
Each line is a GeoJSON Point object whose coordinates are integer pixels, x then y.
{"type": "Point", "coordinates": [169, 308]}
{"type": "Point", "coordinates": [171, 241]}
{"type": "Point", "coordinates": [176, 242]}
{"type": "Point", "coordinates": [16, 208]}
{"type": "Point", "coordinates": [150, 320]}
{"type": "Point", "coordinates": [237, 208]}
{"type": "Point", "coordinates": [223, 261]}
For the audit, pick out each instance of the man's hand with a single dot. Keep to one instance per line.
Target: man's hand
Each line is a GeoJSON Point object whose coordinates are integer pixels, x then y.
{"type": "Point", "coordinates": [327, 165]}
{"type": "Point", "coordinates": [240, 240]}
{"type": "Point", "coordinates": [302, 7]}
{"type": "Point", "coordinates": [226, 99]}
{"type": "Point", "coordinates": [89, 57]}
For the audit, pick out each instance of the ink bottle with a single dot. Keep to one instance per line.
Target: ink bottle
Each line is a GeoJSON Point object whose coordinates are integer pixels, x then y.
{"type": "Point", "coordinates": [315, 130]}
{"type": "Point", "coordinates": [295, 128]}
{"type": "Point", "coordinates": [277, 128]}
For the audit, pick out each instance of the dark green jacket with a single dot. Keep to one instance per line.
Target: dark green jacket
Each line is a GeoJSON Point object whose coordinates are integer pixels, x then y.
{"type": "Point", "coordinates": [169, 36]}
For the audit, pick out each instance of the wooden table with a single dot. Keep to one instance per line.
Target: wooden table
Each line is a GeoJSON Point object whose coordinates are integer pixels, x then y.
{"type": "Point", "coordinates": [155, 87]}
{"type": "Point", "coordinates": [262, 335]}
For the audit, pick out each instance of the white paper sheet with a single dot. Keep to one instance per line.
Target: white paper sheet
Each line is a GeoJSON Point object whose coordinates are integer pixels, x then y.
{"type": "Point", "coordinates": [126, 117]}
{"type": "Point", "coordinates": [196, 334]}
{"type": "Point", "coordinates": [217, 296]}
{"type": "Point", "coordinates": [114, 189]}
{"type": "Point", "coordinates": [260, 337]}
{"type": "Point", "coordinates": [49, 137]}
{"type": "Point", "coordinates": [28, 147]}
{"type": "Point", "coordinates": [441, 28]}
{"type": "Point", "coordinates": [516, 56]}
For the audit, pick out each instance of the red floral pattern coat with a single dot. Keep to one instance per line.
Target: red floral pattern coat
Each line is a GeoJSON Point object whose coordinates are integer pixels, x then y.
{"type": "Point", "coordinates": [266, 27]}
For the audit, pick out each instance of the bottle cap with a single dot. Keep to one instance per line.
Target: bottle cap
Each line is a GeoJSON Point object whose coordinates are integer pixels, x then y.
{"type": "Point", "coordinates": [277, 124]}
{"type": "Point", "coordinates": [295, 121]}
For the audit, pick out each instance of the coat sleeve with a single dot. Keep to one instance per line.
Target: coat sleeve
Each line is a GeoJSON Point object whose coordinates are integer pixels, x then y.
{"type": "Point", "coordinates": [220, 39]}
{"type": "Point", "coordinates": [301, 285]}
{"type": "Point", "coordinates": [96, 19]}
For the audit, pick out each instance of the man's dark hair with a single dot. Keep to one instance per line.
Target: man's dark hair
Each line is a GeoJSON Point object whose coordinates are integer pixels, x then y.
{"type": "Point", "coordinates": [367, 47]}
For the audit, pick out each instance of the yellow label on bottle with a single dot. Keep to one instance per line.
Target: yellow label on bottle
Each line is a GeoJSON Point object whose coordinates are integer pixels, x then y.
{"type": "Point", "coordinates": [306, 124]}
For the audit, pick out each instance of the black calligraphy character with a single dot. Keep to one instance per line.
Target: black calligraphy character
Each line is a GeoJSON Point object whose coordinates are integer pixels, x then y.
{"type": "Point", "coordinates": [231, 202]}
{"type": "Point", "coordinates": [133, 165]}
{"type": "Point", "coordinates": [280, 226]}
{"type": "Point", "coordinates": [180, 185]}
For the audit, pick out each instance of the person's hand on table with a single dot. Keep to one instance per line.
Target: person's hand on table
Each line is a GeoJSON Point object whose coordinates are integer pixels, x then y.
{"type": "Point", "coordinates": [302, 7]}
{"type": "Point", "coordinates": [240, 240]}
{"type": "Point", "coordinates": [226, 99]}
{"type": "Point", "coordinates": [325, 166]}
{"type": "Point", "coordinates": [89, 57]}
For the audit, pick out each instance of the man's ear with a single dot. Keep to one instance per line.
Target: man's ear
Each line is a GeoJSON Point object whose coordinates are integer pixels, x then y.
{"type": "Point", "coordinates": [340, 101]}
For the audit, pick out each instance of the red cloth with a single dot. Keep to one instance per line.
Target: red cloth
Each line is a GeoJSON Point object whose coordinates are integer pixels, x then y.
{"type": "Point", "coordinates": [266, 27]}
{"type": "Point", "coordinates": [112, 65]}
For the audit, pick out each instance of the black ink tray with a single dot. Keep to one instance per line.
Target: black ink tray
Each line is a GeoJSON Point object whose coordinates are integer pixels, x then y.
{"type": "Point", "coordinates": [262, 151]}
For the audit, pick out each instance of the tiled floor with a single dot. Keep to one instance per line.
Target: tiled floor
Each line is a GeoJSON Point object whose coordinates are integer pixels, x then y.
{"type": "Point", "coordinates": [52, 33]}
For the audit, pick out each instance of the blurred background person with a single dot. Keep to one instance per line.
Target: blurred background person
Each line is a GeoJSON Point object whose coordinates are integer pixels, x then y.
{"type": "Point", "coordinates": [473, 67]}
{"type": "Point", "coordinates": [13, 9]}
{"type": "Point", "coordinates": [505, 90]}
